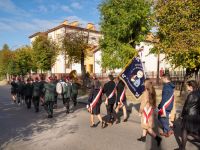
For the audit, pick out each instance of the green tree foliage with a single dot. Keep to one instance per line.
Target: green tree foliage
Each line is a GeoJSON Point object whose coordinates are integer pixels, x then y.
{"type": "Point", "coordinates": [179, 31]}
{"type": "Point", "coordinates": [44, 53]}
{"type": "Point", "coordinates": [123, 24]}
{"type": "Point", "coordinates": [23, 60]}
{"type": "Point", "coordinates": [74, 46]}
{"type": "Point", "coordinates": [6, 56]}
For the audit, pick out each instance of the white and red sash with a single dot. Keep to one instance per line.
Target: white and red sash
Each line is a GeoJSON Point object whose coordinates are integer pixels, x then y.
{"type": "Point", "coordinates": [110, 96]}
{"type": "Point", "coordinates": [122, 96]}
{"type": "Point", "coordinates": [162, 111]}
{"type": "Point", "coordinates": [95, 101]}
{"type": "Point", "coordinates": [147, 114]}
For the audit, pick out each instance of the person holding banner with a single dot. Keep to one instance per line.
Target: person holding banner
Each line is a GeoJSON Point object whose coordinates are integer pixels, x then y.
{"type": "Point", "coordinates": [147, 107]}
{"type": "Point", "coordinates": [110, 89]}
{"type": "Point", "coordinates": [121, 99]}
{"type": "Point", "coordinates": [94, 102]}
{"type": "Point", "coordinates": [166, 105]}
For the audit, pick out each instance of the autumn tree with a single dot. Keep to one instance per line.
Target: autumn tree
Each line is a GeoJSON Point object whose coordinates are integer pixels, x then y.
{"type": "Point", "coordinates": [44, 52]}
{"type": "Point", "coordinates": [74, 47]}
{"type": "Point", "coordinates": [179, 32]}
{"type": "Point", "coordinates": [123, 25]}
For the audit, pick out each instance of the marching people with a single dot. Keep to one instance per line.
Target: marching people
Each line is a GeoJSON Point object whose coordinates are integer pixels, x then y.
{"type": "Point", "coordinates": [75, 87]}
{"type": "Point", "coordinates": [191, 113]}
{"type": "Point", "coordinates": [36, 94]}
{"type": "Point", "coordinates": [49, 95]}
{"type": "Point", "coordinates": [166, 105]}
{"type": "Point", "coordinates": [14, 90]}
{"type": "Point", "coordinates": [94, 102]}
{"type": "Point", "coordinates": [56, 94]}
{"type": "Point", "coordinates": [121, 99]}
{"type": "Point", "coordinates": [67, 91]}
{"type": "Point", "coordinates": [20, 90]}
{"type": "Point", "coordinates": [147, 107]}
{"type": "Point", "coordinates": [109, 89]}
{"type": "Point", "coordinates": [28, 90]}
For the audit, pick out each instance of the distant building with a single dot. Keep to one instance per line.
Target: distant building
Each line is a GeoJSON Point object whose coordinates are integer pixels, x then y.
{"type": "Point", "coordinates": [93, 59]}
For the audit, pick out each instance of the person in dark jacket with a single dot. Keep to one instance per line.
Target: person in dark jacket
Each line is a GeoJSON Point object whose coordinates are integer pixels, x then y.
{"type": "Point", "coordinates": [75, 87]}
{"type": "Point", "coordinates": [94, 102]}
{"type": "Point", "coordinates": [36, 94]}
{"type": "Point", "coordinates": [14, 89]}
{"type": "Point", "coordinates": [20, 90]}
{"type": "Point", "coordinates": [121, 99]}
{"type": "Point", "coordinates": [191, 113]}
{"type": "Point", "coordinates": [42, 83]}
{"type": "Point", "coordinates": [109, 89]}
{"type": "Point", "coordinates": [166, 105]}
{"type": "Point", "coordinates": [55, 81]}
{"type": "Point", "coordinates": [67, 91]}
{"type": "Point", "coordinates": [28, 93]}
{"type": "Point", "coordinates": [49, 95]}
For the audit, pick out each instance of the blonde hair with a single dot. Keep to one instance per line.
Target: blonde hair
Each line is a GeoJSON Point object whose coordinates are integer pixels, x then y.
{"type": "Point", "coordinates": [151, 92]}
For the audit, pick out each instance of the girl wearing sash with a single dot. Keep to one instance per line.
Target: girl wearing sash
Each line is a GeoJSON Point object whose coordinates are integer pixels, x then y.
{"type": "Point", "coordinates": [121, 99]}
{"type": "Point", "coordinates": [94, 102]}
{"type": "Point", "coordinates": [148, 104]}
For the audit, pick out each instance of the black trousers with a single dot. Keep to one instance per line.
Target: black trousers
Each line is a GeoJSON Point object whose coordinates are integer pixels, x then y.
{"type": "Point", "coordinates": [66, 103]}
{"type": "Point", "coordinates": [74, 99]}
{"type": "Point", "coordinates": [48, 106]}
{"type": "Point", "coordinates": [19, 97]}
{"type": "Point", "coordinates": [55, 99]}
{"type": "Point", "coordinates": [28, 101]}
{"type": "Point", "coordinates": [36, 102]}
{"type": "Point", "coordinates": [111, 112]}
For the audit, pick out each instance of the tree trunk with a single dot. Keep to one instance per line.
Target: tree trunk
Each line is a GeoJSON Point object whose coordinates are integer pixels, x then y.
{"type": "Point", "coordinates": [158, 68]}
{"type": "Point", "coordinates": [83, 72]}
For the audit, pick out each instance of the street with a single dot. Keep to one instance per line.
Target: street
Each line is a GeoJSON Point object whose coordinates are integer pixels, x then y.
{"type": "Point", "coordinates": [24, 129]}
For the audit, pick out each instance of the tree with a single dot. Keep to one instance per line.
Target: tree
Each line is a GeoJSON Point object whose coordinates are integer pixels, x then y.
{"type": "Point", "coordinates": [5, 59]}
{"type": "Point", "coordinates": [123, 24]}
{"type": "Point", "coordinates": [179, 32]}
{"type": "Point", "coordinates": [44, 52]}
{"type": "Point", "coordinates": [23, 60]}
{"type": "Point", "coordinates": [74, 47]}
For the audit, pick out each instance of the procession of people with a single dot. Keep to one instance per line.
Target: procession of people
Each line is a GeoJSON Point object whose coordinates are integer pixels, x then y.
{"type": "Point", "coordinates": [113, 94]}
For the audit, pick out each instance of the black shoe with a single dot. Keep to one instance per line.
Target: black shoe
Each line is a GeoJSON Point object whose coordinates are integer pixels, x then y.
{"type": "Point", "coordinates": [93, 126]}
{"type": "Point", "coordinates": [125, 120]}
{"type": "Point", "coordinates": [37, 110]}
{"type": "Point", "coordinates": [158, 139]}
{"type": "Point", "coordinates": [75, 103]}
{"type": "Point", "coordinates": [142, 139]}
{"type": "Point", "coordinates": [67, 111]}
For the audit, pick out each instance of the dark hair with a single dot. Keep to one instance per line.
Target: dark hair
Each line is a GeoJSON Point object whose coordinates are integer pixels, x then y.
{"type": "Point", "coordinates": [152, 93]}
{"type": "Point", "coordinates": [193, 84]}
{"type": "Point", "coordinates": [167, 76]}
{"type": "Point", "coordinates": [111, 77]}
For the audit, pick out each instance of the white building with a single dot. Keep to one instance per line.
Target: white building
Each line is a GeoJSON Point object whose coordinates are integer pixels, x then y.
{"type": "Point", "coordinates": [93, 60]}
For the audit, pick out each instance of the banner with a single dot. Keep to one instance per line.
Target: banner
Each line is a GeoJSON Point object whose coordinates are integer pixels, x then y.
{"type": "Point", "coordinates": [133, 77]}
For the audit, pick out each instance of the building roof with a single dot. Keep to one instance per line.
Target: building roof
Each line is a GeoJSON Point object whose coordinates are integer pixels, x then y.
{"type": "Point", "coordinates": [66, 26]}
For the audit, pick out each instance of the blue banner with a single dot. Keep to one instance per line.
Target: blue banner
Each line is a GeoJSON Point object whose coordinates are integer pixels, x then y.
{"type": "Point", "coordinates": [133, 77]}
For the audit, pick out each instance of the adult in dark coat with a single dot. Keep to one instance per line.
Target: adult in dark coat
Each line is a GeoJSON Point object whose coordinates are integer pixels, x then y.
{"type": "Point", "coordinates": [56, 94]}
{"type": "Point", "coordinates": [121, 99]}
{"type": "Point", "coordinates": [36, 94]}
{"type": "Point", "coordinates": [14, 90]}
{"type": "Point", "coordinates": [94, 102]}
{"type": "Point", "coordinates": [28, 90]}
{"type": "Point", "coordinates": [109, 89]}
{"type": "Point", "coordinates": [191, 113]}
{"type": "Point", "coordinates": [20, 90]}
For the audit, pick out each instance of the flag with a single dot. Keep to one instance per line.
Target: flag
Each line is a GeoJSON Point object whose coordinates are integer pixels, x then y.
{"type": "Point", "coordinates": [133, 77]}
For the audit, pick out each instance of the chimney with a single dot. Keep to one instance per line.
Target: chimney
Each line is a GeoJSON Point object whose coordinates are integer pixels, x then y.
{"type": "Point", "coordinates": [90, 26]}
{"type": "Point", "coordinates": [65, 22]}
{"type": "Point", "coordinates": [74, 23]}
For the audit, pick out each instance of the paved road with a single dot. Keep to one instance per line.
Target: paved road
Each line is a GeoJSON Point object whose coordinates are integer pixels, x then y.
{"type": "Point", "coordinates": [24, 129]}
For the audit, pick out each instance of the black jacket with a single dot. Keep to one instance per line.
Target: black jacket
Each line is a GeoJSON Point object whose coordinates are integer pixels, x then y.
{"type": "Point", "coordinates": [192, 104]}
{"type": "Point", "coordinates": [107, 89]}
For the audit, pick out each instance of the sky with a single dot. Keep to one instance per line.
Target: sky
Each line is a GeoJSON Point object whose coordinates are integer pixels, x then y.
{"type": "Point", "coordinates": [21, 18]}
